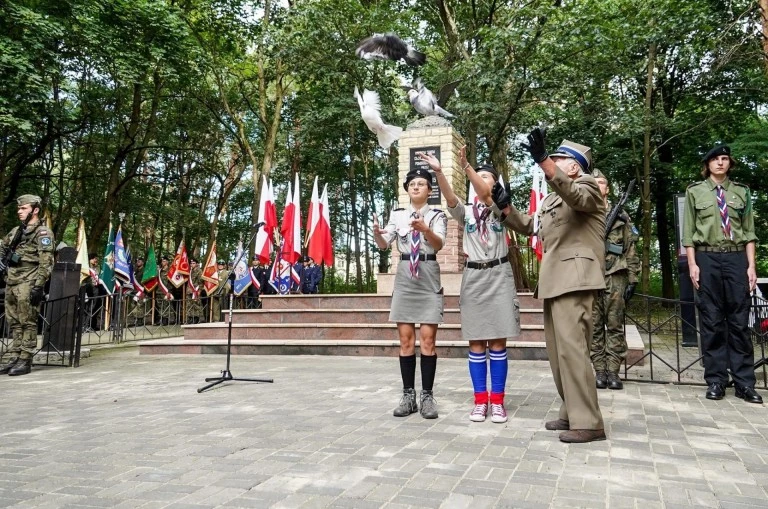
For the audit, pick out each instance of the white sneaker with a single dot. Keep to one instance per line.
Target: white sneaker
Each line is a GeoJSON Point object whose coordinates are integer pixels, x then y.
{"type": "Point", "coordinates": [479, 413]}
{"type": "Point", "coordinates": [498, 413]}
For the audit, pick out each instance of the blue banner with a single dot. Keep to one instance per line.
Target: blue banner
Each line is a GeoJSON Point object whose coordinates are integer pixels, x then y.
{"type": "Point", "coordinates": [122, 263]}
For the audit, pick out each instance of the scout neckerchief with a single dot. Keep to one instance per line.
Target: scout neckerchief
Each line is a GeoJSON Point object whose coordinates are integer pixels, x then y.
{"type": "Point", "coordinates": [415, 245]}
{"type": "Point", "coordinates": [723, 206]}
{"type": "Point", "coordinates": [480, 217]}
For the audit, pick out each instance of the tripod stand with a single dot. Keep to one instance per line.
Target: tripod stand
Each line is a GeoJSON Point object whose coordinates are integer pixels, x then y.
{"type": "Point", "coordinates": [226, 374]}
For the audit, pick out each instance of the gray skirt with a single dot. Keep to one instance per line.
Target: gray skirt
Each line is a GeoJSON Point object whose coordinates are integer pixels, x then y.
{"type": "Point", "coordinates": [488, 303]}
{"type": "Point", "coordinates": [417, 300]}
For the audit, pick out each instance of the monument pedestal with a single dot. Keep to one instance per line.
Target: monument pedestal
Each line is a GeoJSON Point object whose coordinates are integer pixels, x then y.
{"type": "Point", "coordinates": [432, 135]}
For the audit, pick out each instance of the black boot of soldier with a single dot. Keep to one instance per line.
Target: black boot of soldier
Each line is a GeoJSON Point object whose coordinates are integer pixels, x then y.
{"type": "Point", "coordinates": [5, 369]}
{"type": "Point", "coordinates": [22, 367]}
{"type": "Point", "coordinates": [601, 379]}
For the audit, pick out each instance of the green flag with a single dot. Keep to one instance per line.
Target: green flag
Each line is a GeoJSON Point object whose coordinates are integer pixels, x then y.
{"type": "Point", "coordinates": [107, 275]}
{"type": "Point", "coordinates": [149, 280]}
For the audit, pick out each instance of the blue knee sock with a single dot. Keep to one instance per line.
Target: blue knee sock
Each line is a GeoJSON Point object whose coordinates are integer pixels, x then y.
{"type": "Point", "coordinates": [498, 370]}
{"type": "Point", "coordinates": [478, 372]}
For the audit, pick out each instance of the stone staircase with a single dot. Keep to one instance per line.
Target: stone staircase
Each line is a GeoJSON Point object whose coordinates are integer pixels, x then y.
{"type": "Point", "coordinates": [337, 325]}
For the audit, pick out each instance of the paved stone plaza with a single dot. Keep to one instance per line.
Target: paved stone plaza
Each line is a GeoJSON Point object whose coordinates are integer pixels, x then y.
{"type": "Point", "coordinates": [125, 430]}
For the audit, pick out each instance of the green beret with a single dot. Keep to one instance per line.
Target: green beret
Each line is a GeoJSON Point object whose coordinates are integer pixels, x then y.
{"type": "Point", "coordinates": [28, 199]}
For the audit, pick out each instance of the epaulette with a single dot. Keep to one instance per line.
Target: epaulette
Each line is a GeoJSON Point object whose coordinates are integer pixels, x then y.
{"type": "Point", "coordinates": [695, 184]}
{"type": "Point", "coordinates": [398, 209]}
{"type": "Point", "coordinates": [739, 184]}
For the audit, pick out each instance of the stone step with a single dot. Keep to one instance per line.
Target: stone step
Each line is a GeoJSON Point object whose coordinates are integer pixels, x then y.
{"type": "Point", "coordinates": [356, 316]}
{"type": "Point", "coordinates": [367, 301]}
{"type": "Point", "coordinates": [516, 350]}
{"type": "Point", "coordinates": [328, 331]}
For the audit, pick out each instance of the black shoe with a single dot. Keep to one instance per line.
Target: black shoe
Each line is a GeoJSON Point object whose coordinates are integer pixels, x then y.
{"type": "Point", "coordinates": [23, 367]}
{"type": "Point", "coordinates": [749, 395]}
{"type": "Point", "coordinates": [5, 369]}
{"type": "Point", "coordinates": [601, 380]}
{"type": "Point", "coordinates": [614, 382]}
{"type": "Point", "coordinates": [715, 391]}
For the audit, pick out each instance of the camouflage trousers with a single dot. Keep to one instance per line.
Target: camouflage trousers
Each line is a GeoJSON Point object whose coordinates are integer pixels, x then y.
{"type": "Point", "coordinates": [22, 320]}
{"type": "Point", "coordinates": [194, 308]}
{"type": "Point", "coordinates": [609, 344]}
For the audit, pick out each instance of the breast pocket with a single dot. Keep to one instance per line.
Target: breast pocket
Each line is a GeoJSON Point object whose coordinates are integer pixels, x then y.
{"type": "Point", "coordinates": [736, 206]}
{"type": "Point", "coordinates": [705, 209]}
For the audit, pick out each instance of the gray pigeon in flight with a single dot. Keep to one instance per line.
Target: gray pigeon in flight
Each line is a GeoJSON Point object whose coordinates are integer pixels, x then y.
{"type": "Point", "coordinates": [370, 109]}
{"type": "Point", "coordinates": [389, 47]}
{"type": "Point", "coordinates": [424, 101]}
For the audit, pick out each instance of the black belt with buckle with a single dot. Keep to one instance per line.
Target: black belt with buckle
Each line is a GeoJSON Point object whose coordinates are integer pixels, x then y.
{"type": "Point", "coordinates": [422, 257]}
{"type": "Point", "coordinates": [486, 265]}
{"type": "Point", "coordinates": [720, 249]}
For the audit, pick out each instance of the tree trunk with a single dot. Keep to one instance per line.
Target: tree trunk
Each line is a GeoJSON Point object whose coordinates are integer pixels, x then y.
{"type": "Point", "coordinates": [646, 193]}
{"type": "Point", "coordinates": [667, 244]}
{"type": "Point", "coordinates": [764, 18]}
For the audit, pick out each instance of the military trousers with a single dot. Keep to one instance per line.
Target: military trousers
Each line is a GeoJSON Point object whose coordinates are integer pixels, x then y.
{"type": "Point", "coordinates": [723, 303]}
{"type": "Point", "coordinates": [22, 320]}
{"type": "Point", "coordinates": [609, 344]}
{"type": "Point", "coordinates": [568, 332]}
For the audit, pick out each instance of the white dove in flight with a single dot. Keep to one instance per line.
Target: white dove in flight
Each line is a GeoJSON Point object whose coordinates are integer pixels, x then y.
{"type": "Point", "coordinates": [389, 47]}
{"type": "Point", "coordinates": [370, 109]}
{"type": "Point", "coordinates": [424, 101]}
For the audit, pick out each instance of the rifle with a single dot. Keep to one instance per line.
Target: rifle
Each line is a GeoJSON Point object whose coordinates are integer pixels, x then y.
{"type": "Point", "coordinates": [10, 257]}
{"type": "Point", "coordinates": [616, 210]}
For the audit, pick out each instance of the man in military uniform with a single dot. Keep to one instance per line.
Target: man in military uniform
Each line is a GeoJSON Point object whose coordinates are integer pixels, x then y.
{"type": "Point", "coordinates": [220, 294]}
{"type": "Point", "coordinates": [167, 311]}
{"type": "Point", "coordinates": [609, 344]}
{"type": "Point", "coordinates": [312, 276]}
{"type": "Point", "coordinates": [28, 261]}
{"type": "Point", "coordinates": [719, 239]}
{"type": "Point", "coordinates": [572, 229]}
{"type": "Point", "coordinates": [194, 285]}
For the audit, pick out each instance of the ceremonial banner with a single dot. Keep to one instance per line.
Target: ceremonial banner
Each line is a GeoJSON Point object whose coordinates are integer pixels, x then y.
{"type": "Point", "coordinates": [210, 272]}
{"type": "Point", "coordinates": [242, 277]}
{"type": "Point", "coordinates": [122, 269]}
{"type": "Point", "coordinates": [107, 274]}
{"type": "Point", "coordinates": [150, 278]}
{"type": "Point", "coordinates": [179, 270]}
{"type": "Point", "coordinates": [263, 246]}
{"type": "Point", "coordinates": [82, 252]}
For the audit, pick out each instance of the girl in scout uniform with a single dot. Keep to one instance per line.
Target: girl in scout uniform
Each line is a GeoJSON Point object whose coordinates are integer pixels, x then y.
{"type": "Point", "coordinates": [490, 312]}
{"type": "Point", "coordinates": [418, 294]}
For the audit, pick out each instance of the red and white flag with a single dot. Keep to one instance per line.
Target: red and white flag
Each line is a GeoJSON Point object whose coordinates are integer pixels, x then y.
{"type": "Point", "coordinates": [313, 214]}
{"type": "Point", "coordinates": [321, 243]}
{"type": "Point", "coordinates": [538, 191]}
{"type": "Point", "coordinates": [179, 270]}
{"type": "Point", "coordinates": [291, 226]}
{"type": "Point", "coordinates": [263, 244]}
{"type": "Point", "coordinates": [210, 272]}
{"type": "Point", "coordinates": [270, 212]}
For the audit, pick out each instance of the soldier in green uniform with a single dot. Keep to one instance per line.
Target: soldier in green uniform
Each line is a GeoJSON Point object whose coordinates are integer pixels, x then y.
{"type": "Point", "coordinates": [193, 287]}
{"type": "Point", "coordinates": [219, 295]}
{"type": "Point", "coordinates": [29, 263]}
{"type": "Point", "coordinates": [719, 239]}
{"type": "Point", "coordinates": [167, 312]}
{"type": "Point", "coordinates": [609, 344]}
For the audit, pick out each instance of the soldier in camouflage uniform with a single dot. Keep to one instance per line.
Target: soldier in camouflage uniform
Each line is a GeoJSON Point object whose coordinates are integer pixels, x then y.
{"type": "Point", "coordinates": [194, 307]}
{"type": "Point", "coordinates": [220, 294]}
{"type": "Point", "coordinates": [622, 265]}
{"type": "Point", "coordinates": [29, 267]}
{"type": "Point", "coordinates": [167, 312]}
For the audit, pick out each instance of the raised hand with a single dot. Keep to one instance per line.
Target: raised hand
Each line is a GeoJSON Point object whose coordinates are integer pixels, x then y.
{"type": "Point", "coordinates": [536, 145]}
{"type": "Point", "coordinates": [432, 161]}
{"type": "Point", "coordinates": [377, 229]}
{"type": "Point", "coordinates": [501, 195]}
{"type": "Point", "coordinates": [463, 157]}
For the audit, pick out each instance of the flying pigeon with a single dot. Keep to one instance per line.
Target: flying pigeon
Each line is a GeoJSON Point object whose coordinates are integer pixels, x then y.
{"type": "Point", "coordinates": [370, 109]}
{"type": "Point", "coordinates": [424, 101]}
{"type": "Point", "coordinates": [389, 47]}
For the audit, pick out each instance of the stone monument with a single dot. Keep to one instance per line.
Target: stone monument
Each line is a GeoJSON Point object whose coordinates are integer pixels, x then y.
{"type": "Point", "coordinates": [434, 135]}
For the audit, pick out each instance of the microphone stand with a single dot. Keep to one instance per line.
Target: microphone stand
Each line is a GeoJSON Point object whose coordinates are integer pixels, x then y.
{"type": "Point", "coordinates": [226, 374]}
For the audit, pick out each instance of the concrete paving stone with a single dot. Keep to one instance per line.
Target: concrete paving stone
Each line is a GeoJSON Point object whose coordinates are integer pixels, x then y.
{"type": "Point", "coordinates": [580, 503]}
{"type": "Point", "coordinates": [470, 487]}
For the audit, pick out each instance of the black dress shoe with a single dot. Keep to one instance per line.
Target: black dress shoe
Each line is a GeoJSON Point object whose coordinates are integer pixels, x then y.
{"type": "Point", "coordinates": [749, 395]}
{"type": "Point", "coordinates": [715, 391]}
{"type": "Point", "coordinates": [614, 382]}
{"type": "Point", "coordinates": [601, 380]}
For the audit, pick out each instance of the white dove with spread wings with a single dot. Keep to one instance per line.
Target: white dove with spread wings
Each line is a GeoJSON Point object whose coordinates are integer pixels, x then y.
{"type": "Point", "coordinates": [370, 109]}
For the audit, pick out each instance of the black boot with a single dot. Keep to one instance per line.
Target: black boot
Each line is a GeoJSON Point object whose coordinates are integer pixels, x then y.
{"type": "Point", "coordinates": [22, 367]}
{"type": "Point", "coordinates": [601, 380]}
{"type": "Point", "coordinates": [5, 369]}
{"type": "Point", "coordinates": [614, 382]}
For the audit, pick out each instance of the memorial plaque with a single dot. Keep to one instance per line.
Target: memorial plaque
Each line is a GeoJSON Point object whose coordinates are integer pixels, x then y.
{"type": "Point", "coordinates": [434, 196]}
